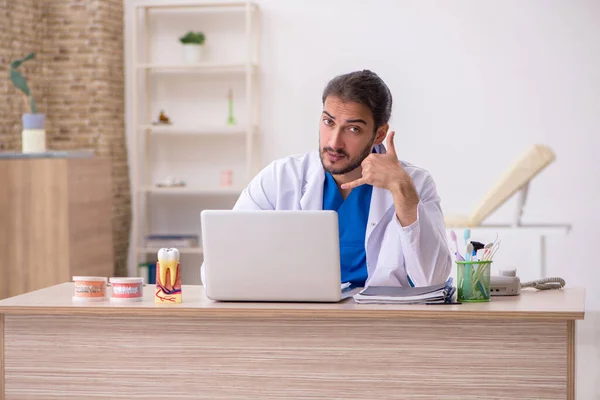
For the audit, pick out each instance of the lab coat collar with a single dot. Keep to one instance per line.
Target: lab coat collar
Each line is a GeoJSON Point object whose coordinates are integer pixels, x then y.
{"type": "Point", "coordinates": [312, 187]}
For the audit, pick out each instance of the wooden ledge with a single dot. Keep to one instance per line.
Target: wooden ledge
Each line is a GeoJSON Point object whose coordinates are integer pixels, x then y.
{"type": "Point", "coordinates": [564, 304]}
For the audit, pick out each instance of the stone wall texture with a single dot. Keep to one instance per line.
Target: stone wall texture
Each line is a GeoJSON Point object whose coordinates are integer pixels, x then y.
{"type": "Point", "coordinates": [77, 79]}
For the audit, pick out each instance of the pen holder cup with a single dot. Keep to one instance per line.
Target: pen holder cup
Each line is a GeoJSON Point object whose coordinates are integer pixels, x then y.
{"type": "Point", "coordinates": [473, 281]}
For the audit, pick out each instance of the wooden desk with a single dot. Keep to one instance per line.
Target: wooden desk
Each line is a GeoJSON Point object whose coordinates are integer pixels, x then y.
{"type": "Point", "coordinates": [512, 348]}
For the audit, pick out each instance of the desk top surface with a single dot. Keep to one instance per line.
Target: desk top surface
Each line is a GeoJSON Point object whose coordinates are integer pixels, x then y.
{"type": "Point", "coordinates": [563, 304]}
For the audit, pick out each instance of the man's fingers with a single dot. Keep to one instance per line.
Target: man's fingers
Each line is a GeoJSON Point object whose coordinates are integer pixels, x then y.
{"type": "Point", "coordinates": [390, 143]}
{"type": "Point", "coordinates": [353, 184]}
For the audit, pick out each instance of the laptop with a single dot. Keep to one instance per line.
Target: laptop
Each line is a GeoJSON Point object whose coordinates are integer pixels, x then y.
{"type": "Point", "coordinates": [279, 256]}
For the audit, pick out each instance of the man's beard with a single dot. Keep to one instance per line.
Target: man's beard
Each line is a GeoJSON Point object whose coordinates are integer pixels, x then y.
{"type": "Point", "coordinates": [353, 163]}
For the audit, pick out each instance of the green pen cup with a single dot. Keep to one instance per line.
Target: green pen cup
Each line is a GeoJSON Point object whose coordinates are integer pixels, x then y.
{"type": "Point", "coordinates": [473, 281]}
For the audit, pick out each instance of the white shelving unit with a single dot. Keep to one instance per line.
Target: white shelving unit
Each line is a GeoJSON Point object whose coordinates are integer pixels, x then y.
{"type": "Point", "coordinates": [199, 145]}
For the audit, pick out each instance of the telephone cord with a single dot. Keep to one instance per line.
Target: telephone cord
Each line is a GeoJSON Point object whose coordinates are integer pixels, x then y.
{"type": "Point", "coordinates": [545, 283]}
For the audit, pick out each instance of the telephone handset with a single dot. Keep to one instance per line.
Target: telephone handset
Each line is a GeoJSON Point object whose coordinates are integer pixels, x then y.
{"type": "Point", "coordinates": [507, 283]}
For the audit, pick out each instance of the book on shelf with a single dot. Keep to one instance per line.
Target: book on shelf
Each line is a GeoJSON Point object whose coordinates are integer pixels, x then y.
{"type": "Point", "coordinates": [184, 241]}
{"type": "Point", "coordinates": [148, 272]}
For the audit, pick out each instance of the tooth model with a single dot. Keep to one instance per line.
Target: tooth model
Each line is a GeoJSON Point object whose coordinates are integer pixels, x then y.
{"type": "Point", "coordinates": [168, 277]}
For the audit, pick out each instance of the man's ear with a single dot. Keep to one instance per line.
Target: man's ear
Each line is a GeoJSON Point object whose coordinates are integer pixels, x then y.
{"type": "Point", "coordinates": [381, 133]}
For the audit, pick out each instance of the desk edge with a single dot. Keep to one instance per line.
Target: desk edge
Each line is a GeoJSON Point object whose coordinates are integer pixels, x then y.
{"type": "Point", "coordinates": [439, 312]}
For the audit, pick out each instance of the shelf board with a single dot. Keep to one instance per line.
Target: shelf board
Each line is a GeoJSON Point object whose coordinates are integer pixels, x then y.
{"type": "Point", "coordinates": [196, 131]}
{"type": "Point", "coordinates": [182, 250]}
{"type": "Point", "coordinates": [191, 190]}
{"type": "Point", "coordinates": [204, 67]}
{"type": "Point", "coordinates": [233, 6]}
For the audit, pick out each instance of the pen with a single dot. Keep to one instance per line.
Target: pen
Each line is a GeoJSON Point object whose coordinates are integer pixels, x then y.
{"type": "Point", "coordinates": [442, 304]}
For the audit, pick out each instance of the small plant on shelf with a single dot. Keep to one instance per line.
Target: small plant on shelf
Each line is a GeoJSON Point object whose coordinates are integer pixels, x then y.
{"type": "Point", "coordinates": [192, 42]}
{"type": "Point", "coordinates": [33, 136]}
{"type": "Point", "coordinates": [20, 83]}
{"type": "Point", "coordinates": [197, 38]}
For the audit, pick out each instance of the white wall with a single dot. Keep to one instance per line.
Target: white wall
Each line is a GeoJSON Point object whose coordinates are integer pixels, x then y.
{"type": "Point", "coordinates": [475, 84]}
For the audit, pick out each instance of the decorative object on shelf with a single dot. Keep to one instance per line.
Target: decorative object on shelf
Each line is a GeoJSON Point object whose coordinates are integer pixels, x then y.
{"type": "Point", "coordinates": [33, 136]}
{"type": "Point", "coordinates": [193, 44]}
{"type": "Point", "coordinates": [226, 178]}
{"type": "Point", "coordinates": [162, 119]}
{"type": "Point", "coordinates": [171, 181]}
{"type": "Point", "coordinates": [231, 118]}
{"type": "Point", "coordinates": [168, 276]}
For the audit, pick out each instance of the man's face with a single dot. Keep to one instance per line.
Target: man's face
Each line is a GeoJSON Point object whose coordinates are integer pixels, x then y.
{"type": "Point", "coordinates": [346, 135]}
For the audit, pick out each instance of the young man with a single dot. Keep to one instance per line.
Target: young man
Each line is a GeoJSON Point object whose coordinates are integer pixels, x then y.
{"type": "Point", "coordinates": [391, 225]}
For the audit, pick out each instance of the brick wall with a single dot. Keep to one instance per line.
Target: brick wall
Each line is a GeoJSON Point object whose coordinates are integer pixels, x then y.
{"type": "Point", "coordinates": [20, 34]}
{"type": "Point", "coordinates": [78, 79]}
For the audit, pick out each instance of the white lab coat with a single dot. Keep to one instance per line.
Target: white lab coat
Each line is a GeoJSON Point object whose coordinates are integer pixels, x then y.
{"type": "Point", "coordinates": [393, 252]}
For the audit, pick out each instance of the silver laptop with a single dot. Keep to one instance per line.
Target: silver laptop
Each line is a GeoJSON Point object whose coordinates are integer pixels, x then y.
{"type": "Point", "coordinates": [283, 256]}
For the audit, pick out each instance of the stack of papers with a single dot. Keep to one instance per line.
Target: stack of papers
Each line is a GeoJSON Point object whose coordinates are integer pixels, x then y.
{"type": "Point", "coordinates": [437, 294]}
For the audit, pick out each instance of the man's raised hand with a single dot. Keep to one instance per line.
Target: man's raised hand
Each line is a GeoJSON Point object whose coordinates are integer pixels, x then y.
{"type": "Point", "coordinates": [381, 170]}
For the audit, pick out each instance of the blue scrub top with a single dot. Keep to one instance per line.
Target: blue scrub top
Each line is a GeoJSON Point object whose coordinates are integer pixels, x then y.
{"type": "Point", "coordinates": [353, 214]}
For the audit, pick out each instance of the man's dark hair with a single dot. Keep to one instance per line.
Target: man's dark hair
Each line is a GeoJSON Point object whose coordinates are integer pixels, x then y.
{"type": "Point", "coordinates": [363, 87]}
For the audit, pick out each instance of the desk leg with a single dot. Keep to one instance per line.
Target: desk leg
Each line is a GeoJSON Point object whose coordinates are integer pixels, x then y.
{"type": "Point", "coordinates": [571, 360]}
{"type": "Point", "coordinates": [2, 386]}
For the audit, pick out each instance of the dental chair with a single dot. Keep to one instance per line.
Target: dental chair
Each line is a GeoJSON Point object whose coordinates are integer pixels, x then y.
{"type": "Point", "coordinates": [516, 179]}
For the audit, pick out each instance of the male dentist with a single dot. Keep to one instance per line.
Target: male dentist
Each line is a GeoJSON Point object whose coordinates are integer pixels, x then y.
{"type": "Point", "coordinates": [391, 227]}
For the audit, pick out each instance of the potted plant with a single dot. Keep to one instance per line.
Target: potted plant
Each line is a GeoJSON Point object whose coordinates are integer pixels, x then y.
{"type": "Point", "coordinates": [34, 124]}
{"type": "Point", "coordinates": [193, 43]}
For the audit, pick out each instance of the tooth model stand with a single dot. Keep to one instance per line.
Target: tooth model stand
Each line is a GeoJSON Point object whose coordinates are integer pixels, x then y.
{"type": "Point", "coordinates": [168, 277]}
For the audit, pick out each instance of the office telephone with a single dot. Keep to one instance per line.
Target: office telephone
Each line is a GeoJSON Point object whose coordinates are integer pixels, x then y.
{"type": "Point", "coordinates": [507, 283]}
